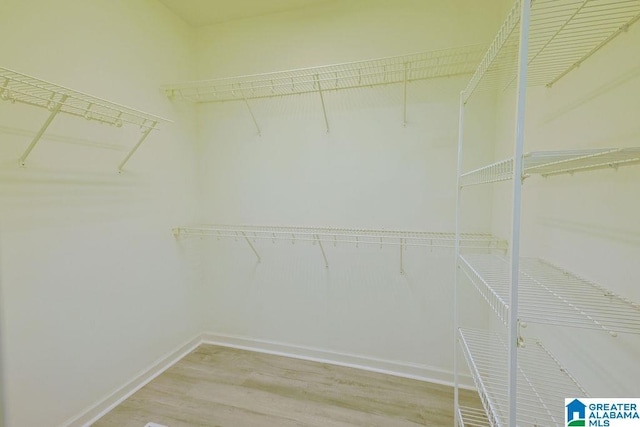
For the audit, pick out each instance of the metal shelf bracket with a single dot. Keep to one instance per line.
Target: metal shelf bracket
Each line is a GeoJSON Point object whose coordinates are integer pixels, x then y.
{"type": "Point", "coordinates": [324, 110]}
{"type": "Point", "coordinates": [54, 112]}
{"type": "Point", "coordinates": [253, 117]}
{"type": "Point", "coordinates": [145, 134]}
{"type": "Point", "coordinates": [404, 108]}
{"type": "Point", "coordinates": [251, 246]}
{"type": "Point", "coordinates": [324, 256]}
{"type": "Point", "coordinates": [401, 254]}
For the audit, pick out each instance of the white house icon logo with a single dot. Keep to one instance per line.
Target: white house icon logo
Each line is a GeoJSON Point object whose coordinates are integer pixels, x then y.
{"type": "Point", "coordinates": [576, 413]}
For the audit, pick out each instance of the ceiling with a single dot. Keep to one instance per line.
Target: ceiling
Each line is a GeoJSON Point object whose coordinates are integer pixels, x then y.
{"type": "Point", "coordinates": [206, 12]}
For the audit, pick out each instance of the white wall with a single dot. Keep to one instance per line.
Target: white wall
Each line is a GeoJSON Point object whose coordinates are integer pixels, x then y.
{"type": "Point", "coordinates": [368, 171]}
{"type": "Point", "coordinates": [588, 222]}
{"type": "Point", "coordinates": [93, 288]}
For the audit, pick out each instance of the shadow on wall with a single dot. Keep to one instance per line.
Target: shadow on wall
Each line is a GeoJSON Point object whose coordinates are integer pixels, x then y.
{"type": "Point", "coordinates": [291, 297]}
{"type": "Point", "coordinates": [588, 355]}
{"type": "Point", "coordinates": [43, 197]}
{"type": "Point", "coordinates": [594, 230]}
{"type": "Point", "coordinates": [30, 134]}
{"type": "Point", "coordinates": [588, 97]}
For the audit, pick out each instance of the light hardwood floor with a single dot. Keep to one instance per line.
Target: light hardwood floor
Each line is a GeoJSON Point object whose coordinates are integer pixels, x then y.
{"type": "Point", "coordinates": [219, 386]}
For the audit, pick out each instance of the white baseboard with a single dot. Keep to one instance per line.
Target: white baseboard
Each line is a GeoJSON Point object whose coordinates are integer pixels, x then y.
{"type": "Point", "coordinates": [95, 412]}
{"type": "Point", "coordinates": [399, 369]}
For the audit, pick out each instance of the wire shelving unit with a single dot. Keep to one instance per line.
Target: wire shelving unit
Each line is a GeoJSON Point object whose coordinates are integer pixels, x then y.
{"type": "Point", "coordinates": [470, 242]}
{"type": "Point", "coordinates": [539, 43]}
{"type": "Point", "coordinates": [550, 295]}
{"type": "Point", "coordinates": [22, 88]}
{"type": "Point", "coordinates": [543, 382]}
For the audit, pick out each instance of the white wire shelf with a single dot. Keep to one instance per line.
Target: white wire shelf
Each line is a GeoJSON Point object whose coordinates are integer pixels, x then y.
{"type": "Point", "coordinates": [472, 417]}
{"type": "Point", "coordinates": [319, 235]}
{"type": "Point", "coordinates": [548, 163]}
{"type": "Point", "coordinates": [542, 382]}
{"type": "Point", "coordinates": [18, 87]}
{"type": "Point", "coordinates": [345, 235]}
{"type": "Point", "coordinates": [563, 34]}
{"type": "Point", "coordinates": [375, 72]}
{"type": "Point", "coordinates": [550, 295]}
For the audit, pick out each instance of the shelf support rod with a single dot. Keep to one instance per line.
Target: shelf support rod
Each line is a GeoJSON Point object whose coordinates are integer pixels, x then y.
{"type": "Point", "coordinates": [324, 110]}
{"type": "Point", "coordinates": [456, 378]}
{"type": "Point", "coordinates": [255, 122]}
{"type": "Point", "coordinates": [401, 260]}
{"type": "Point", "coordinates": [404, 109]}
{"type": "Point", "coordinates": [326, 263]}
{"type": "Point", "coordinates": [144, 136]}
{"type": "Point", "coordinates": [54, 113]}
{"type": "Point", "coordinates": [251, 246]}
{"type": "Point", "coordinates": [518, 150]}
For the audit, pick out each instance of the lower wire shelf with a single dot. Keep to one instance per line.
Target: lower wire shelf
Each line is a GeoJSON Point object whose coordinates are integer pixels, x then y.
{"type": "Point", "coordinates": [550, 295]}
{"type": "Point", "coordinates": [471, 417]}
{"type": "Point", "coordinates": [542, 382]}
{"type": "Point", "coordinates": [433, 239]}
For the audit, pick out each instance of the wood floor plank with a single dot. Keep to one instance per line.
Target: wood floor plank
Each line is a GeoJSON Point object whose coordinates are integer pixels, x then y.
{"type": "Point", "coordinates": [216, 386]}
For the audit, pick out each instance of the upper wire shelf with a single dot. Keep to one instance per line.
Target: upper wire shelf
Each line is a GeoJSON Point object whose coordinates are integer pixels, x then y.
{"type": "Point", "coordinates": [375, 72]}
{"type": "Point", "coordinates": [18, 87]}
{"type": "Point", "coordinates": [550, 295]}
{"type": "Point", "coordinates": [542, 382]}
{"type": "Point", "coordinates": [346, 235]}
{"type": "Point", "coordinates": [562, 35]}
{"type": "Point", "coordinates": [547, 163]}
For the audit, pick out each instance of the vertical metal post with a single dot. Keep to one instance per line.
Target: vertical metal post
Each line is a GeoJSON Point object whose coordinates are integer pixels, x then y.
{"type": "Point", "coordinates": [326, 263]}
{"type": "Point", "coordinates": [404, 110]}
{"type": "Point", "coordinates": [3, 406]}
{"type": "Point", "coordinates": [144, 136]}
{"type": "Point", "coordinates": [251, 246]}
{"type": "Point", "coordinates": [54, 113]}
{"type": "Point", "coordinates": [517, 206]}
{"type": "Point", "coordinates": [456, 378]}
{"type": "Point", "coordinates": [324, 110]}
{"type": "Point", "coordinates": [255, 122]}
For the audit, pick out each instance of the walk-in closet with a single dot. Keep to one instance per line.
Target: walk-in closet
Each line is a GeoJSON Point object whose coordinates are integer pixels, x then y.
{"type": "Point", "coordinates": [319, 212]}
